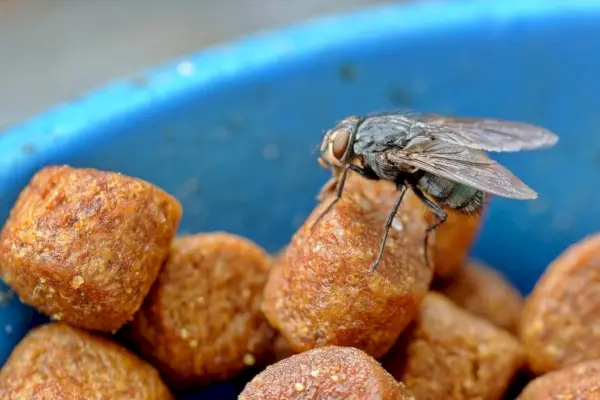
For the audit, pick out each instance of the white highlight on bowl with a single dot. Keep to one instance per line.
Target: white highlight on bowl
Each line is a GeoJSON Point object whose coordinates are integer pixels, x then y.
{"type": "Point", "coordinates": [186, 69]}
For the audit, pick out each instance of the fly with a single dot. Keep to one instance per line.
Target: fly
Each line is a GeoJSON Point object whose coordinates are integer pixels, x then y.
{"type": "Point", "coordinates": [441, 159]}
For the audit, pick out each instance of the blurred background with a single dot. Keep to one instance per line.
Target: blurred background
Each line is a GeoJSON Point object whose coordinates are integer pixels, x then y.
{"type": "Point", "coordinates": [53, 50]}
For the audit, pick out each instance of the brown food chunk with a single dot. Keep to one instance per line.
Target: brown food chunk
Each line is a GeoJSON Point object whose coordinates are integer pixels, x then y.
{"type": "Point", "coordinates": [449, 353]}
{"type": "Point", "coordinates": [453, 239]}
{"type": "Point", "coordinates": [202, 320]}
{"type": "Point", "coordinates": [56, 361]}
{"type": "Point", "coordinates": [560, 324]}
{"type": "Point", "coordinates": [279, 254]}
{"type": "Point", "coordinates": [486, 292]}
{"type": "Point", "coordinates": [330, 372]}
{"type": "Point", "coordinates": [84, 246]}
{"type": "Point", "coordinates": [322, 291]}
{"type": "Point", "coordinates": [50, 389]}
{"type": "Point", "coordinates": [579, 381]}
{"type": "Point", "coordinates": [281, 348]}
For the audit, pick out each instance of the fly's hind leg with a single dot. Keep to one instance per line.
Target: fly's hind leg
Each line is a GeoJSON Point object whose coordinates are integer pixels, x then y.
{"type": "Point", "coordinates": [361, 171]}
{"type": "Point", "coordinates": [441, 214]}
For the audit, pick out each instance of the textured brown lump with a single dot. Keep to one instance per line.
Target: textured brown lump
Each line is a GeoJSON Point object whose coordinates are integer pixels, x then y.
{"type": "Point", "coordinates": [84, 246]}
{"type": "Point", "coordinates": [280, 348]}
{"type": "Point", "coordinates": [560, 324]}
{"type": "Point", "coordinates": [579, 381]}
{"type": "Point", "coordinates": [322, 291]}
{"type": "Point", "coordinates": [202, 320]}
{"type": "Point", "coordinates": [49, 389]}
{"type": "Point", "coordinates": [485, 291]}
{"type": "Point", "coordinates": [449, 353]}
{"type": "Point", "coordinates": [55, 359]}
{"type": "Point", "coordinates": [453, 239]}
{"type": "Point", "coordinates": [330, 372]}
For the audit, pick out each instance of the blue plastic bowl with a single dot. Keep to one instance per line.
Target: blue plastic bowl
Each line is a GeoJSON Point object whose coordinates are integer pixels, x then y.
{"type": "Point", "coordinates": [232, 131]}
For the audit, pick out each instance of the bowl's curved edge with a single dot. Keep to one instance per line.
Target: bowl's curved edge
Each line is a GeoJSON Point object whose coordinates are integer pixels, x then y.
{"type": "Point", "coordinates": [66, 126]}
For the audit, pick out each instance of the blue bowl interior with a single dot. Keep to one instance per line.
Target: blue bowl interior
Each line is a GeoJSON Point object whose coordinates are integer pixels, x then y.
{"type": "Point", "coordinates": [233, 131]}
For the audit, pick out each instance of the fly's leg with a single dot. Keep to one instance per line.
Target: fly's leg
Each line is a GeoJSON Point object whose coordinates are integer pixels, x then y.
{"type": "Point", "coordinates": [441, 214]}
{"type": "Point", "coordinates": [402, 188]}
{"type": "Point", "coordinates": [361, 171]}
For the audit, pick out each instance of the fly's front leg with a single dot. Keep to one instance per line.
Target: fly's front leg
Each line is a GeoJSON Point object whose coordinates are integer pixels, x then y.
{"type": "Point", "coordinates": [388, 224]}
{"type": "Point", "coordinates": [441, 214]}
{"type": "Point", "coordinates": [327, 188]}
{"type": "Point", "coordinates": [347, 168]}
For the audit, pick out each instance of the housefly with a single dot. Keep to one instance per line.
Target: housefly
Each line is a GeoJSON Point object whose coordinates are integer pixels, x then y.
{"type": "Point", "coordinates": [441, 159]}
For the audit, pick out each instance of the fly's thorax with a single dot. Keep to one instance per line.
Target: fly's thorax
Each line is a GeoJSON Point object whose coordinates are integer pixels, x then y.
{"type": "Point", "coordinates": [378, 140]}
{"type": "Point", "coordinates": [452, 195]}
{"type": "Point", "coordinates": [363, 145]}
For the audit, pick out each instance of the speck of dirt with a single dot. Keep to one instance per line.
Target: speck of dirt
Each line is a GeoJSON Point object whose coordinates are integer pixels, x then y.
{"type": "Point", "coordinates": [271, 152]}
{"type": "Point", "coordinates": [28, 148]}
{"type": "Point", "coordinates": [399, 97]}
{"type": "Point", "coordinates": [140, 81]}
{"type": "Point", "coordinates": [235, 123]}
{"type": "Point", "coordinates": [5, 296]}
{"type": "Point", "coordinates": [349, 73]}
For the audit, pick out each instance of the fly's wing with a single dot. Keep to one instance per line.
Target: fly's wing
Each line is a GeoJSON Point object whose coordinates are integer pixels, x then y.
{"type": "Point", "coordinates": [488, 134]}
{"type": "Point", "coordinates": [461, 165]}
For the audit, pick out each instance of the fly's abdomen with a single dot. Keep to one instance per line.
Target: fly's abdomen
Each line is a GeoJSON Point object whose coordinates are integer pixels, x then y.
{"type": "Point", "coordinates": [452, 195]}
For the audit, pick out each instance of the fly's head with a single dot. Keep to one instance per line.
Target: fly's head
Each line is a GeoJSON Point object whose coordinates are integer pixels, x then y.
{"type": "Point", "coordinates": [337, 144]}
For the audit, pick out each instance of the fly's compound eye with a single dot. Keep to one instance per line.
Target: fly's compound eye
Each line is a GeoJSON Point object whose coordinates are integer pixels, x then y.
{"type": "Point", "coordinates": [339, 144]}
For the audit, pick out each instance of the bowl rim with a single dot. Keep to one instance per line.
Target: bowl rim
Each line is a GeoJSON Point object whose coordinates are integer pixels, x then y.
{"type": "Point", "coordinates": [88, 119]}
